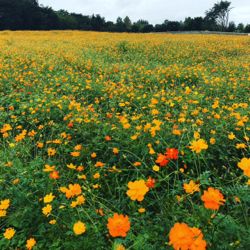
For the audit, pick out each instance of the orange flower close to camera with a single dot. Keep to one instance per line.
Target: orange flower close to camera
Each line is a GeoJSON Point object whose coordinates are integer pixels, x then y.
{"type": "Point", "coordinates": [172, 153]}
{"type": "Point", "coordinates": [213, 199]}
{"type": "Point", "coordinates": [162, 160]}
{"type": "Point", "coordinates": [183, 237]}
{"type": "Point", "coordinates": [118, 225]}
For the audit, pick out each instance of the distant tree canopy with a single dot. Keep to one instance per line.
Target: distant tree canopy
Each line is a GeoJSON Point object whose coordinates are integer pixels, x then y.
{"type": "Point", "coordinates": [29, 15]}
{"type": "Point", "coordinates": [219, 14]}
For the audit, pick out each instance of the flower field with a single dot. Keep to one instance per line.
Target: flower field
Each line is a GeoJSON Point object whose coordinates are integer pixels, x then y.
{"type": "Point", "coordinates": [124, 141]}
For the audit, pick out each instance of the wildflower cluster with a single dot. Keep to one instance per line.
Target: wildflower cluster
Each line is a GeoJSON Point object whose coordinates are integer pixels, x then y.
{"type": "Point", "coordinates": [139, 148]}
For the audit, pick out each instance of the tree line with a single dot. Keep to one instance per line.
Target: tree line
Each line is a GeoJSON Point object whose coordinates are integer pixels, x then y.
{"type": "Point", "coordinates": [30, 15]}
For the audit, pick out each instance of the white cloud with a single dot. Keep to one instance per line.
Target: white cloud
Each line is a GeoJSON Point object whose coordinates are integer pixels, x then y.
{"type": "Point", "coordinates": [155, 11]}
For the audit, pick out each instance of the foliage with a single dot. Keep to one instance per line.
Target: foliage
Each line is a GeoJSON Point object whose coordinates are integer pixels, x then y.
{"type": "Point", "coordinates": [219, 14]}
{"type": "Point", "coordinates": [112, 141]}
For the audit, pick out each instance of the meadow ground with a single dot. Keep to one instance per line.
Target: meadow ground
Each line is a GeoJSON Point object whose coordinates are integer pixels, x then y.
{"type": "Point", "coordinates": [124, 141]}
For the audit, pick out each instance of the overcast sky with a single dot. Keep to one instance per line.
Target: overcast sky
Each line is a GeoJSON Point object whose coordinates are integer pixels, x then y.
{"type": "Point", "coordinates": [155, 11]}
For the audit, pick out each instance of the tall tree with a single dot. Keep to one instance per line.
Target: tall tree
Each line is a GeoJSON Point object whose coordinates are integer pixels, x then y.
{"type": "Point", "coordinates": [240, 27]}
{"type": "Point", "coordinates": [231, 27]}
{"type": "Point", "coordinates": [120, 25]}
{"type": "Point", "coordinates": [219, 14]}
{"type": "Point", "coordinates": [247, 28]}
{"type": "Point", "coordinates": [128, 24]}
{"type": "Point", "coordinates": [139, 25]}
{"type": "Point", "coordinates": [97, 22]}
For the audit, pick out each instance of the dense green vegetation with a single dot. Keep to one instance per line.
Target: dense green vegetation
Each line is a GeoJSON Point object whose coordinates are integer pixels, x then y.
{"type": "Point", "coordinates": [153, 127]}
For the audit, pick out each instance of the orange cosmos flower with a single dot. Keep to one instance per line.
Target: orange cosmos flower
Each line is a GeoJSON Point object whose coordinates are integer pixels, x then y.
{"type": "Point", "coordinates": [172, 153]}
{"type": "Point", "coordinates": [115, 151]}
{"type": "Point", "coordinates": [199, 243]}
{"type": "Point", "coordinates": [212, 198]}
{"type": "Point", "coordinates": [93, 155]}
{"type": "Point", "coordinates": [183, 237]}
{"type": "Point", "coordinates": [162, 160]}
{"type": "Point", "coordinates": [137, 164]}
{"type": "Point", "coordinates": [109, 115]}
{"type": "Point", "coordinates": [78, 147]}
{"type": "Point", "coordinates": [54, 175]}
{"type": "Point", "coordinates": [70, 125]}
{"type": "Point", "coordinates": [150, 182]}
{"type": "Point", "coordinates": [99, 164]}
{"type": "Point", "coordinates": [107, 138]}
{"type": "Point", "coordinates": [73, 190]}
{"type": "Point", "coordinates": [75, 154]}
{"type": "Point", "coordinates": [80, 168]}
{"type": "Point", "coordinates": [118, 225]}
{"type": "Point", "coordinates": [21, 136]}
{"type": "Point", "coordinates": [6, 128]}
{"type": "Point", "coordinates": [100, 212]}
{"type": "Point", "coordinates": [39, 144]}
{"type": "Point", "coordinates": [137, 190]}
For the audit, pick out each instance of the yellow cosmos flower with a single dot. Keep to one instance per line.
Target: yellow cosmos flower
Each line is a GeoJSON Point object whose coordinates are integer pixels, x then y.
{"type": "Point", "coordinates": [4, 204]}
{"type": "Point", "coordinates": [191, 187]}
{"type": "Point", "coordinates": [71, 166]}
{"type": "Point", "coordinates": [137, 190]}
{"type": "Point", "coordinates": [9, 233]}
{"type": "Point", "coordinates": [93, 155]}
{"type": "Point", "coordinates": [3, 213]}
{"type": "Point", "coordinates": [16, 181]}
{"type": "Point", "coordinates": [30, 243]}
{"type": "Point", "coordinates": [48, 168]}
{"type": "Point", "coordinates": [78, 147]}
{"type": "Point", "coordinates": [47, 210]}
{"type": "Point", "coordinates": [48, 198]}
{"type": "Point", "coordinates": [79, 201]}
{"type": "Point", "coordinates": [231, 136]}
{"type": "Point", "coordinates": [156, 168]}
{"type": "Point", "coordinates": [51, 151]}
{"type": "Point", "coordinates": [142, 210]}
{"type": "Point", "coordinates": [241, 145]}
{"type": "Point", "coordinates": [96, 176]}
{"type": "Point", "coordinates": [244, 165]}
{"type": "Point", "coordinates": [79, 228]}
{"type": "Point", "coordinates": [52, 222]}
{"type": "Point", "coordinates": [119, 247]}
{"type": "Point", "coordinates": [196, 135]}
{"type": "Point", "coordinates": [212, 140]}
{"type": "Point", "coordinates": [198, 145]}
